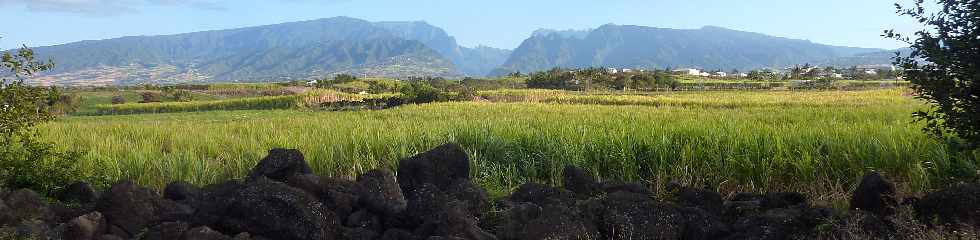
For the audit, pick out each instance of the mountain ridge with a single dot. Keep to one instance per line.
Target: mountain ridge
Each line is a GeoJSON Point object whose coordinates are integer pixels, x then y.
{"type": "Point", "coordinates": [327, 46]}
{"type": "Point", "coordinates": [632, 46]}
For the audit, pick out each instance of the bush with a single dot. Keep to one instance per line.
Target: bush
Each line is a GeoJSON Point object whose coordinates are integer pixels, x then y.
{"type": "Point", "coordinates": [944, 67]}
{"type": "Point", "coordinates": [118, 99]}
{"type": "Point", "coordinates": [181, 96]}
{"type": "Point", "coordinates": [421, 92]}
{"type": "Point", "coordinates": [26, 161]}
{"type": "Point", "coordinates": [150, 97]}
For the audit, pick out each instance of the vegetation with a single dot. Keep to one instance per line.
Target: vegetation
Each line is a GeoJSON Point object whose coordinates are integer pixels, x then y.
{"type": "Point", "coordinates": [25, 160]}
{"type": "Point", "coordinates": [760, 141]}
{"type": "Point", "coordinates": [944, 67]}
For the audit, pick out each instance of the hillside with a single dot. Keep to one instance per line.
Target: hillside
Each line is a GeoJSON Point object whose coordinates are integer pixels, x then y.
{"type": "Point", "coordinates": [646, 47]}
{"type": "Point", "coordinates": [287, 51]}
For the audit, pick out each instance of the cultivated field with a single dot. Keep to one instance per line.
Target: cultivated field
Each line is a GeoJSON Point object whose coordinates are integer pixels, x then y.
{"type": "Point", "coordinates": [810, 141]}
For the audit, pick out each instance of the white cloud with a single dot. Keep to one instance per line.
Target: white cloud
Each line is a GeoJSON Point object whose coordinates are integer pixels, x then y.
{"type": "Point", "coordinates": [107, 7]}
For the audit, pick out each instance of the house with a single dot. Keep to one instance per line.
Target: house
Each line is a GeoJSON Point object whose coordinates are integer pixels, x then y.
{"type": "Point", "coordinates": [612, 70]}
{"type": "Point", "coordinates": [688, 71]}
{"type": "Point", "coordinates": [627, 70]}
{"type": "Point", "coordinates": [720, 74]}
{"type": "Point", "coordinates": [704, 74]}
{"type": "Point", "coordinates": [311, 83]}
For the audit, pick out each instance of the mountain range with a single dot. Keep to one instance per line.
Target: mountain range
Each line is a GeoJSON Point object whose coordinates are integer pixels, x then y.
{"type": "Point", "coordinates": [325, 47]}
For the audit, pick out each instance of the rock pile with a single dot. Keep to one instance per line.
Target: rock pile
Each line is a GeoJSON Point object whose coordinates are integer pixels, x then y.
{"type": "Point", "coordinates": [433, 198]}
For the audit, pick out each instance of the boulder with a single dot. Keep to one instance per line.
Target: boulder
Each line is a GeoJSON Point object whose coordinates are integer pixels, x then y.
{"type": "Point", "coordinates": [340, 195]}
{"type": "Point", "coordinates": [358, 234]}
{"type": "Point", "coordinates": [440, 166]}
{"type": "Point", "coordinates": [579, 182]}
{"type": "Point", "coordinates": [85, 227]}
{"type": "Point", "coordinates": [542, 195]}
{"type": "Point", "coordinates": [22, 205]}
{"type": "Point", "coordinates": [453, 222]}
{"type": "Point", "coordinates": [307, 182]}
{"type": "Point", "coordinates": [627, 215]}
{"type": "Point", "coordinates": [79, 192]}
{"type": "Point", "coordinates": [702, 224]}
{"type": "Point", "coordinates": [397, 234]}
{"type": "Point", "coordinates": [109, 237]}
{"type": "Point", "coordinates": [474, 197]}
{"type": "Point", "coordinates": [380, 193]}
{"type": "Point", "coordinates": [780, 223]}
{"type": "Point", "coordinates": [133, 208]}
{"type": "Point", "coordinates": [875, 194]}
{"type": "Point", "coordinates": [425, 203]}
{"type": "Point", "coordinates": [280, 164]}
{"type": "Point", "coordinates": [181, 191]}
{"type": "Point", "coordinates": [204, 233]}
{"type": "Point", "coordinates": [699, 198]}
{"type": "Point", "coordinates": [616, 186]}
{"type": "Point", "coordinates": [166, 231]}
{"type": "Point", "coordinates": [783, 200]}
{"type": "Point", "coordinates": [213, 202]}
{"type": "Point", "coordinates": [268, 208]}
{"type": "Point", "coordinates": [858, 225]}
{"type": "Point", "coordinates": [515, 218]}
{"type": "Point", "coordinates": [957, 205]}
{"type": "Point", "coordinates": [364, 219]}
{"type": "Point", "coordinates": [528, 221]}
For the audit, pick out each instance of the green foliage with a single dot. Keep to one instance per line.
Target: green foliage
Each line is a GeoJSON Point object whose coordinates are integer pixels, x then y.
{"type": "Point", "coordinates": [26, 161]}
{"type": "Point", "coordinates": [352, 86]}
{"type": "Point", "coordinates": [556, 78]}
{"type": "Point", "coordinates": [181, 96]}
{"type": "Point", "coordinates": [944, 67]}
{"type": "Point", "coordinates": [744, 141]}
{"type": "Point", "coordinates": [422, 92]}
{"type": "Point", "coordinates": [273, 102]}
{"type": "Point", "coordinates": [343, 78]}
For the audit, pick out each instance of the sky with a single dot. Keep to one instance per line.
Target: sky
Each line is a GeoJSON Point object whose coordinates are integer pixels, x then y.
{"type": "Point", "coordinates": [498, 23]}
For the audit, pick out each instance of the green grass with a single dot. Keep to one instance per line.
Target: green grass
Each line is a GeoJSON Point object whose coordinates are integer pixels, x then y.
{"type": "Point", "coordinates": [92, 99]}
{"type": "Point", "coordinates": [747, 147]}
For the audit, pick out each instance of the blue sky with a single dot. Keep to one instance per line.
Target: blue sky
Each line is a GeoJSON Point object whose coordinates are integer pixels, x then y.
{"type": "Point", "coordinates": [499, 23]}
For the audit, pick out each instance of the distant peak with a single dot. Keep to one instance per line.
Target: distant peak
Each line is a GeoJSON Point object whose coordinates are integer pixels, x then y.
{"type": "Point", "coordinates": [568, 33]}
{"type": "Point", "coordinates": [714, 27]}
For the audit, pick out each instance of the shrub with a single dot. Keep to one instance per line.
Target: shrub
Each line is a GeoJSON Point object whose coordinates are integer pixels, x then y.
{"type": "Point", "coordinates": [26, 161]}
{"type": "Point", "coordinates": [118, 99]}
{"type": "Point", "coordinates": [150, 97]}
{"type": "Point", "coordinates": [944, 67]}
{"type": "Point", "coordinates": [181, 96]}
{"type": "Point", "coordinates": [421, 92]}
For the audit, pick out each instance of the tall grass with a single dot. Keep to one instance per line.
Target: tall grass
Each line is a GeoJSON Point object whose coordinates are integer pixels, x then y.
{"type": "Point", "coordinates": [310, 99]}
{"type": "Point", "coordinates": [755, 147]}
{"type": "Point", "coordinates": [275, 102]}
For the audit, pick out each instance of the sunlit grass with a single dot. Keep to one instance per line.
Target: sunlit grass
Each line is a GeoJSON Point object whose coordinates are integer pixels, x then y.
{"type": "Point", "coordinates": [753, 141]}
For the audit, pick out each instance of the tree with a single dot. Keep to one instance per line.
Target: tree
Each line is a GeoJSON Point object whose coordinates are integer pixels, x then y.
{"type": "Point", "coordinates": [344, 78]}
{"type": "Point", "coordinates": [26, 161]}
{"type": "Point", "coordinates": [944, 67]}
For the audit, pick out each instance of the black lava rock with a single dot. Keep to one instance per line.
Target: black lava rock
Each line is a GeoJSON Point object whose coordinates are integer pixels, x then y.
{"type": "Point", "coordinates": [79, 192]}
{"type": "Point", "coordinates": [875, 194]}
{"type": "Point", "coordinates": [380, 193]}
{"type": "Point", "coordinates": [579, 182]}
{"type": "Point", "coordinates": [269, 208]}
{"type": "Point", "coordinates": [956, 205]}
{"type": "Point", "coordinates": [440, 166]}
{"type": "Point", "coordinates": [280, 164]}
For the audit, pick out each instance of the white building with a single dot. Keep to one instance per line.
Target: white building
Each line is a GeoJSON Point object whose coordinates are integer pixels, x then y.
{"type": "Point", "coordinates": [688, 71]}
{"type": "Point", "coordinates": [612, 70]}
{"type": "Point", "coordinates": [721, 74]}
{"type": "Point", "coordinates": [627, 70]}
